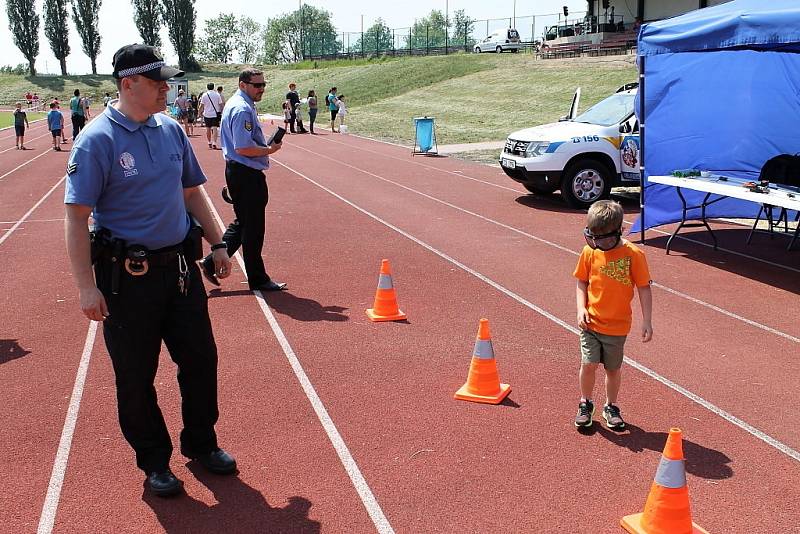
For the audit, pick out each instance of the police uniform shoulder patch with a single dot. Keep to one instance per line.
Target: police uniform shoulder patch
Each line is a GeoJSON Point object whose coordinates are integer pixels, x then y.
{"type": "Point", "coordinates": [72, 168]}
{"type": "Point", "coordinates": [248, 126]}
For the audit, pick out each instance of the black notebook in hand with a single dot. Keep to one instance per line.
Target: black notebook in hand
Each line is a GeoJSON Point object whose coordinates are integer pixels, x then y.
{"type": "Point", "coordinates": [277, 137]}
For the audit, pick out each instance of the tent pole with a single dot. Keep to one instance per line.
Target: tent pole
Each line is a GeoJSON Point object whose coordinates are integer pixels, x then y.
{"type": "Point", "coordinates": [641, 148]}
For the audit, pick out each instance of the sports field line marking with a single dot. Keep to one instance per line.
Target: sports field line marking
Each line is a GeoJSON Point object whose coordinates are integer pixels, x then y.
{"type": "Point", "coordinates": [675, 292]}
{"type": "Point", "coordinates": [12, 127]}
{"type": "Point", "coordinates": [24, 217]}
{"type": "Point", "coordinates": [50, 506]}
{"type": "Point", "coordinates": [498, 186]}
{"type": "Point", "coordinates": [766, 438]}
{"type": "Point", "coordinates": [356, 477]}
{"type": "Point", "coordinates": [18, 167]}
{"type": "Point", "coordinates": [36, 221]}
{"type": "Point", "coordinates": [29, 140]}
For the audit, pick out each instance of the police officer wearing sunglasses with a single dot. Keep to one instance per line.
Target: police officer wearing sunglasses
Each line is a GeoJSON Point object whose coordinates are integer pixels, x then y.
{"type": "Point", "coordinates": [133, 170]}
{"type": "Point", "coordinates": [246, 159]}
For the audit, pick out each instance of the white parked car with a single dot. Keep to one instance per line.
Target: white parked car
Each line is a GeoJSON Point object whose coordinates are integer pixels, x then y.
{"type": "Point", "coordinates": [583, 155]}
{"type": "Point", "coordinates": [499, 41]}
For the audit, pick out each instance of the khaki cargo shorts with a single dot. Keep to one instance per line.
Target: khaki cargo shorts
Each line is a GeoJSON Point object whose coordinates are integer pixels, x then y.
{"type": "Point", "coordinates": [602, 348]}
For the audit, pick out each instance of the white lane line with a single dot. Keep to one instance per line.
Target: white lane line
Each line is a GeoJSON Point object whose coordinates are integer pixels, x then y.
{"type": "Point", "coordinates": [35, 221]}
{"type": "Point", "coordinates": [29, 140]}
{"type": "Point", "coordinates": [359, 482]}
{"type": "Point", "coordinates": [24, 217]}
{"type": "Point", "coordinates": [675, 292]}
{"type": "Point", "coordinates": [780, 446]}
{"type": "Point", "coordinates": [23, 164]}
{"type": "Point", "coordinates": [50, 506]}
{"type": "Point", "coordinates": [498, 186]}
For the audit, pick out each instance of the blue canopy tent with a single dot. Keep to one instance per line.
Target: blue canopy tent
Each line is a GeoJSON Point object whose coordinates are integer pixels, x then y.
{"type": "Point", "coordinates": [719, 90]}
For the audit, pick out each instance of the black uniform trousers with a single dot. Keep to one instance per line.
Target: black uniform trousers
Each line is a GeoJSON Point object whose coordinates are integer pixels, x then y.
{"type": "Point", "coordinates": [248, 190]}
{"type": "Point", "coordinates": [147, 310]}
{"type": "Point", "coordinates": [78, 122]}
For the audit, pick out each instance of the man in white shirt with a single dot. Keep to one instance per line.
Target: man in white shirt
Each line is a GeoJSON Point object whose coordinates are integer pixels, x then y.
{"type": "Point", "coordinates": [211, 109]}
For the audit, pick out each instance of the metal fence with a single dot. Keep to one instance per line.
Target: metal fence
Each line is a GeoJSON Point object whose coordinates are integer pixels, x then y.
{"type": "Point", "coordinates": [420, 40]}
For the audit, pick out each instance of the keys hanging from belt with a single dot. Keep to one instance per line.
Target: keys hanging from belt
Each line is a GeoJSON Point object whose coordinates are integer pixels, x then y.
{"type": "Point", "coordinates": [183, 275]}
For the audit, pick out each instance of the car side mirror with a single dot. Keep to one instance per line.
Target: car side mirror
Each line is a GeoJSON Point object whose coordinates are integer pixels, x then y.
{"type": "Point", "coordinates": [625, 128]}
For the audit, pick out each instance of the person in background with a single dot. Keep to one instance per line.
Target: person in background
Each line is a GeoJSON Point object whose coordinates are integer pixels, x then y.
{"type": "Point", "coordinates": [76, 108]}
{"type": "Point", "coordinates": [287, 115]}
{"type": "Point", "coordinates": [299, 116]}
{"type": "Point", "coordinates": [106, 100]}
{"type": "Point", "coordinates": [182, 103]}
{"type": "Point", "coordinates": [221, 97]}
{"type": "Point", "coordinates": [333, 107]}
{"type": "Point", "coordinates": [20, 122]}
{"type": "Point", "coordinates": [87, 102]}
{"type": "Point", "coordinates": [55, 123]}
{"type": "Point", "coordinates": [342, 110]}
{"type": "Point", "coordinates": [211, 109]}
{"type": "Point", "coordinates": [294, 99]}
{"type": "Point", "coordinates": [191, 114]}
{"type": "Point", "coordinates": [312, 110]}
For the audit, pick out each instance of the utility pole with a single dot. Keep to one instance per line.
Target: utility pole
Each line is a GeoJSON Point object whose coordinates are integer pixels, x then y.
{"type": "Point", "coordinates": [446, 23]}
{"type": "Point", "coordinates": [300, 8]}
{"type": "Point", "coordinates": [514, 14]}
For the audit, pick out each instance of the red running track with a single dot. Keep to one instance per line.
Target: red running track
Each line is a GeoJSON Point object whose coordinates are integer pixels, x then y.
{"type": "Point", "coordinates": [342, 425]}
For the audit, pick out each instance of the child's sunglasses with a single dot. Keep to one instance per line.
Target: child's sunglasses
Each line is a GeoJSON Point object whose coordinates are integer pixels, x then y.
{"type": "Point", "coordinates": [602, 241]}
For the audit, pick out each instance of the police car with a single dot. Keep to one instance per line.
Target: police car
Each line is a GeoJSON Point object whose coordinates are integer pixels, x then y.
{"type": "Point", "coordinates": [584, 155]}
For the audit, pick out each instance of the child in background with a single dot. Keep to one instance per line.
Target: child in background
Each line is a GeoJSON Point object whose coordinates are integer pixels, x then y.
{"type": "Point", "coordinates": [287, 115]}
{"type": "Point", "coordinates": [299, 115]}
{"type": "Point", "coordinates": [342, 109]}
{"type": "Point", "coordinates": [55, 123]}
{"type": "Point", "coordinates": [608, 269]}
{"type": "Point", "coordinates": [20, 122]}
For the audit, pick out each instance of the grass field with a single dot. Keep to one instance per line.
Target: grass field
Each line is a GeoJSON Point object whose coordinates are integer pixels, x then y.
{"type": "Point", "coordinates": [473, 97]}
{"type": "Point", "coordinates": [7, 118]}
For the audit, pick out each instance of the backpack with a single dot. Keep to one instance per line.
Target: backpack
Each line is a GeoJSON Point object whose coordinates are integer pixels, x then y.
{"type": "Point", "coordinates": [782, 169]}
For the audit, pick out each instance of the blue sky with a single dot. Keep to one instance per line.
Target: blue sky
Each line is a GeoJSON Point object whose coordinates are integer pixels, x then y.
{"type": "Point", "coordinates": [118, 29]}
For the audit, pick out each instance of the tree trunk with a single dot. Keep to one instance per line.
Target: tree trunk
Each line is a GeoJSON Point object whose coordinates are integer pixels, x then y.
{"type": "Point", "coordinates": [32, 66]}
{"type": "Point", "coordinates": [63, 62]}
{"type": "Point", "coordinates": [94, 65]}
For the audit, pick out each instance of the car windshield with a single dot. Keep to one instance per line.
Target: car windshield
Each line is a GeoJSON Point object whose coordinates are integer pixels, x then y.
{"type": "Point", "coordinates": [610, 111]}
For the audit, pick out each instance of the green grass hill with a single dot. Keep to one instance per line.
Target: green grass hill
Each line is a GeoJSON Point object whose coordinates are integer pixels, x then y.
{"type": "Point", "coordinates": [473, 97]}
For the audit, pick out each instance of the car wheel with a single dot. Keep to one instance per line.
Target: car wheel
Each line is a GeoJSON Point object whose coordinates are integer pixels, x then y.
{"type": "Point", "coordinates": [514, 50]}
{"type": "Point", "coordinates": [584, 182]}
{"type": "Point", "coordinates": [499, 49]}
{"type": "Point", "coordinates": [538, 190]}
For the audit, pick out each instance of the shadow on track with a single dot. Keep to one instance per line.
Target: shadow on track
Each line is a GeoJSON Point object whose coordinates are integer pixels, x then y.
{"type": "Point", "coordinates": [285, 303]}
{"type": "Point", "coordinates": [10, 350]}
{"type": "Point", "coordinates": [239, 508]}
{"type": "Point", "coordinates": [700, 461]}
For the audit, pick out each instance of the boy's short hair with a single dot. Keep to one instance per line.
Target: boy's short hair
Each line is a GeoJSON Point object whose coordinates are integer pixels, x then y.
{"type": "Point", "coordinates": [210, 86]}
{"type": "Point", "coordinates": [53, 105]}
{"type": "Point", "coordinates": [604, 216]}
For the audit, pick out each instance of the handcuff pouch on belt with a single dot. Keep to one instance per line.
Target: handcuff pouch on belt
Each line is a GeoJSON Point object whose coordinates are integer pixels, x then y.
{"type": "Point", "coordinates": [136, 260]}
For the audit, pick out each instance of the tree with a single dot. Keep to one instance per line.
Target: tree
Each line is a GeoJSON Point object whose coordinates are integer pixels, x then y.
{"type": "Point", "coordinates": [250, 41]}
{"type": "Point", "coordinates": [377, 38]}
{"type": "Point", "coordinates": [147, 16]}
{"type": "Point", "coordinates": [429, 31]}
{"type": "Point", "coordinates": [86, 14]}
{"type": "Point", "coordinates": [219, 42]}
{"type": "Point", "coordinates": [180, 17]}
{"type": "Point", "coordinates": [463, 26]}
{"type": "Point", "coordinates": [282, 35]}
{"type": "Point", "coordinates": [56, 30]}
{"type": "Point", "coordinates": [24, 25]}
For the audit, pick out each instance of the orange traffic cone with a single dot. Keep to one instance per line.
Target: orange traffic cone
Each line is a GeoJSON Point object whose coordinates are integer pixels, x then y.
{"type": "Point", "coordinates": [483, 383]}
{"type": "Point", "coordinates": [667, 508]}
{"type": "Point", "coordinates": [385, 307]}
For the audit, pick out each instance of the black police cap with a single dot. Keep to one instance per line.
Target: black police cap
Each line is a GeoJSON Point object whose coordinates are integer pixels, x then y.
{"type": "Point", "coordinates": [143, 60]}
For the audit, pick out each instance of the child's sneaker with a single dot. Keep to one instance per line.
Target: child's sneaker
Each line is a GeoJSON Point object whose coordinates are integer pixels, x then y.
{"type": "Point", "coordinates": [585, 413]}
{"type": "Point", "coordinates": [612, 416]}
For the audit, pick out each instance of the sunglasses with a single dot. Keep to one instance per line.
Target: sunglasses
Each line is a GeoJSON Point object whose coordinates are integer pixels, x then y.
{"type": "Point", "coordinates": [258, 85]}
{"type": "Point", "coordinates": [603, 242]}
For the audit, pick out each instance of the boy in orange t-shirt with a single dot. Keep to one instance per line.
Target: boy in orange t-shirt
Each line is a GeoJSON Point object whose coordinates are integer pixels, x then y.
{"type": "Point", "coordinates": [608, 269]}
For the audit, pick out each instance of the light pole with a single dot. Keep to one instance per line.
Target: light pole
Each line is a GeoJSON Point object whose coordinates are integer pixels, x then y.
{"type": "Point", "coordinates": [446, 23]}
{"type": "Point", "coordinates": [300, 8]}
{"type": "Point", "coordinates": [514, 13]}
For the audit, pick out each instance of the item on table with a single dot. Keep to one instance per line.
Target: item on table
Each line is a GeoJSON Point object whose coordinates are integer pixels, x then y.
{"type": "Point", "coordinates": [685, 173]}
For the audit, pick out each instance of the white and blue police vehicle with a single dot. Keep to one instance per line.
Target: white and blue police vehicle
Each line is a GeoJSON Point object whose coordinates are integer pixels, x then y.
{"type": "Point", "coordinates": [583, 155]}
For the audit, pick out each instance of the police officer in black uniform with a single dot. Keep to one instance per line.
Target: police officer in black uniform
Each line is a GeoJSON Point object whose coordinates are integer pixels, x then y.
{"type": "Point", "coordinates": [133, 170]}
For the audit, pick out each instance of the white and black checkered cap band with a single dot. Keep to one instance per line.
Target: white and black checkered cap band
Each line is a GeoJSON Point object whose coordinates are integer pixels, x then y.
{"type": "Point", "coordinates": [139, 70]}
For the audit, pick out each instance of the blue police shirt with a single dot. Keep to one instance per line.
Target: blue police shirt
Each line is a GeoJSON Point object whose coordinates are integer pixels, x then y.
{"type": "Point", "coordinates": [240, 129]}
{"type": "Point", "coordinates": [133, 174]}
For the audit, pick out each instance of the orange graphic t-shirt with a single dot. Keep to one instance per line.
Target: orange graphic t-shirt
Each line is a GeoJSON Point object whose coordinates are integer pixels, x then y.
{"type": "Point", "coordinates": [612, 275]}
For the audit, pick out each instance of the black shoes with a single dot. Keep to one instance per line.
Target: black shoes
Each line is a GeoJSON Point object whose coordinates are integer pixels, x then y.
{"type": "Point", "coordinates": [164, 484]}
{"type": "Point", "coordinates": [207, 268]}
{"type": "Point", "coordinates": [270, 286]}
{"type": "Point", "coordinates": [218, 461]}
